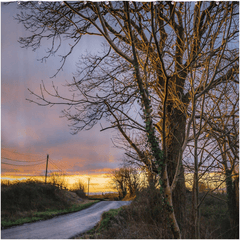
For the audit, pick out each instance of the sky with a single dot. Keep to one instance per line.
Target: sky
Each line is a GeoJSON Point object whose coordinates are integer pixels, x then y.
{"type": "Point", "coordinates": [29, 132]}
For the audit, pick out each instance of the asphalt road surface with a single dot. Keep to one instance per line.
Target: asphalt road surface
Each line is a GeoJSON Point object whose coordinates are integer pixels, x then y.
{"type": "Point", "coordinates": [64, 226]}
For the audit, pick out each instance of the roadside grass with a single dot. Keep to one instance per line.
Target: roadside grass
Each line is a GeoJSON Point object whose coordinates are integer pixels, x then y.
{"type": "Point", "coordinates": [45, 215]}
{"type": "Point", "coordinates": [108, 218]}
{"type": "Point", "coordinates": [137, 220]}
{"type": "Point", "coordinates": [30, 201]}
{"type": "Point", "coordinates": [145, 218]}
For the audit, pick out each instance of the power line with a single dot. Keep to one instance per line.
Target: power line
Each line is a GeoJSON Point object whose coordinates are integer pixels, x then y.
{"type": "Point", "coordinates": [25, 154]}
{"type": "Point", "coordinates": [34, 162]}
{"type": "Point", "coordinates": [56, 165]}
{"type": "Point", "coordinates": [24, 165]}
{"type": "Point", "coordinates": [17, 160]}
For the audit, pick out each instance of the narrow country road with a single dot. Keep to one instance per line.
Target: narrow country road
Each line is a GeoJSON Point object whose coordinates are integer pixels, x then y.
{"type": "Point", "coordinates": [64, 226]}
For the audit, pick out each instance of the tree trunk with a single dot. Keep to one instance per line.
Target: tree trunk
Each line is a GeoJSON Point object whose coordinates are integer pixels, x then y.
{"type": "Point", "coordinates": [231, 201]}
{"type": "Point", "coordinates": [195, 208]}
{"type": "Point", "coordinates": [176, 123]}
{"type": "Point", "coordinates": [236, 190]}
{"type": "Point", "coordinates": [236, 197]}
{"type": "Point", "coordinates": [151, 178]}
{"type": "Point", "coordinates": [171, 212]}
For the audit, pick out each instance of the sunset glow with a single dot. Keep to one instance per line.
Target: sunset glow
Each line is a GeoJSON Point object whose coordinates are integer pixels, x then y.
{"type": "Point", "coordinates": [98, 183]}
{"type": "Point", "coordinates": [30, 132]}
{"type": "Point", "coordinates": [18, 166]}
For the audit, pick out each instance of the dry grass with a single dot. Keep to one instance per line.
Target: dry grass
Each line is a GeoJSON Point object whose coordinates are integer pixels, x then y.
{"type": "Point", "coordinates": [146, 219]}
{"type": "Point", "coordinates": [142, 219]}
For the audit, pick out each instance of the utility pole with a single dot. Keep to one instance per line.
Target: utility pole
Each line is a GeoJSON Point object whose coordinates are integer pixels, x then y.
{"type": "Point", "coordinates": [88, 185]}
{"type": "Point", "coordinates": [46, 169]}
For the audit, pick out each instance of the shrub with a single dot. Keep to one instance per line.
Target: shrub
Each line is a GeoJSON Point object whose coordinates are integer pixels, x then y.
{"type": "Point", "coordinates": [31, 195]}
{"type": "Point", "coordinates": [58, 179]}
{"type": "Point", "coordinates": [143, 218]}
{"type": "Point", "coordinates": [79, 189]}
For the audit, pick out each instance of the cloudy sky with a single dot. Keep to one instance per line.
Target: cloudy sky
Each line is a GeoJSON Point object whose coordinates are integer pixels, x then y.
{"type": "Point", "coordinates": [30, 132]}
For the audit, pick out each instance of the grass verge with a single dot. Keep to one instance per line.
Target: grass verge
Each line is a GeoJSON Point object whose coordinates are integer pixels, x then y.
{"type": "Point", "coordinates": [45, 215]}
{"type": "Point", "coordinates": [108, 218]}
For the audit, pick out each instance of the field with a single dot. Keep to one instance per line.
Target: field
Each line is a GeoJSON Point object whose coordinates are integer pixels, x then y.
{"type": "Point", "coordinates": [106, 196]}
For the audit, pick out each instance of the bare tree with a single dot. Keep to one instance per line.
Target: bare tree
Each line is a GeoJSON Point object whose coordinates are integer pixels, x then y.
{"type": "Point", "coordinates": [214, 146]}
{"type": "Point", "coordinates": [156, 57]}
{"type": "Point", "coordinates": [58, 179]}
{"type": "Point", "coordinates": [127, 180]}
{"type": "Point", "coordinates": [223, 127]}
{"type": "Point", "coordinates": [120, 182]}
